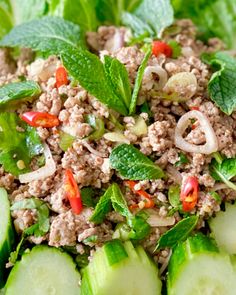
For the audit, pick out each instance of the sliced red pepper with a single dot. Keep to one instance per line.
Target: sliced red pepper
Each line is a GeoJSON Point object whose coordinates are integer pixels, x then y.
{"type": "Point", "coordinates": [189, 193]}
{"type": "Point", "coordinates": [194, 108]}
{"type": "Point", "coordinates": [38, 119]}
{"type": "Point", "coordinates": [61, 77]}
{"type": "Point", "coordinates": [159, 47]}
{"type": "Point", "coordinates": [149, 203]}
{"type": "Point", "coordinates": [72, 192]}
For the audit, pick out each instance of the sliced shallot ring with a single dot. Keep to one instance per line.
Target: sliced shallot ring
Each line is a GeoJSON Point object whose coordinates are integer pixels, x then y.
{"type": "Point", "coordinates": [211, 144]}
{"type": "Point", "coordinates": [162, 74]}
{"type": "Point", "coordinates": [47, 170]}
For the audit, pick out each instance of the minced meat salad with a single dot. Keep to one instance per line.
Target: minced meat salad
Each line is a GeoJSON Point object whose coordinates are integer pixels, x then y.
{"type": "Point", "coordinates": [117, 150]}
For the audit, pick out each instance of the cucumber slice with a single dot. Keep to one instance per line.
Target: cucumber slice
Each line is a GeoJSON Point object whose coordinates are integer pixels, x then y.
{"type": "Point", "coordinates": [6, 234]}
{"type": "Point", "coordinates": [44, 271]}
{"type": "Point", "coordinates": [196, 267]}
{"type": "Point", "coordinates": [120, 269]}
{"type": "Point", "coordinates": [223, 228]}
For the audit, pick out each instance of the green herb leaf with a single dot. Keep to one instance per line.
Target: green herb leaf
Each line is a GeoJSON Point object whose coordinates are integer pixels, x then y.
{"type": "Point", "coordinates": [224, 171]}
{"type": "Point", "coordinates": [216, 196]}
{"type": "Point", "coordinates": [221, 86]}
{"type": "Point", "coordinates": [41, 227]}
{"type": "Point", "coordinates": [118, 202]}
{"type": "Point", "coordinates": [17, 145]}
{"type": "Point", "coordinates": [178, 233]}
{"type": "Point", "coordinates": [12, 94]}
{"type": "Point", "coordinates": [26, 10]}
{"type": "Point", "coordinates": [176, 48]}
{"type": "Point", "coordinates": [103, 207]}
{"type": "Point", "coordinates": [15, 254]}
{"type": "Point", "coordinates": [91, 239]}
{"type": "Point", "coordinates": [80, 65]}
{"type": "Point", "coordinates": [50, 35]}
{"type": "Point", "coordinates": [174, 195]}
{"type": "Point", "coordinates": [66, 141]}
{"type": "Point", "coordinates": [87, 195]}
{"type": "Point", "coordinates": [98, 125]}
{"type": "Point", "coordinates": [6, 21]}
{"type": "Point", "coordinates": [150, 17]}
{"type": "Point", "coordinates": [182, 160]}
{"type": "Point", "coordinates": [140, 229]}
{"type": "Point", "coordinates": [118, 76]}
{"type": "Point", "coordinates": [134, 165]}
{"type": "Point", "coordinates": [80, 12]}
{"type": "Point", "coordinates": [138, 81]}
{"type": "Point", "coordinates": [214, 18]}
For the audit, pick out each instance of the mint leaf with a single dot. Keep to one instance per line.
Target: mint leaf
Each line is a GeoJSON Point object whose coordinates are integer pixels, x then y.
{"type": "Point", "coordinates": [118, 76]}
{"type": "Point", "coordinates": [80, 12]}
{"type": "Point", "coordinates": [224, 171]}
{"type": "Point", "coordinates": [103, 207]}
{"type": "Point", "coordinates": [151, 16]}
{"type": "Point", "coordinates": [42, 225]}
{"type": "Point", "coordinates": [176, 48]}
{"type": "Point", "coordinates": [6, 21]}
{"type": "Point", "coordinates": [178, 233]}
{"type": "Point", "coordinates": [182, 160]}
{"type": "Point", "coordinates": [17, 145]}
{"type": "Point", "coordinates": [25, 10]}
{"type": "Point", "coordinates": [138, 81]}
{"type": "Point", "coordinates": [12, 94]}
{"type": "Point", "coordinates": [222, 84]}
{"type": "Point", "coordinates": [50, 35]}
{"type": "Point", "coordinates": [118, 202]}
{"type": "Point", "coordinates": [87, 195]}
{"type": "Point", "coordinates": [87, 68]}
{"type": "Point", "coordinates": [134, 165]}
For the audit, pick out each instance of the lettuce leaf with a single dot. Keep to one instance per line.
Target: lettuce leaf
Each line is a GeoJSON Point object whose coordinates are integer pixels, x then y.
{"type": "Point", "coordinates": [214, 18]}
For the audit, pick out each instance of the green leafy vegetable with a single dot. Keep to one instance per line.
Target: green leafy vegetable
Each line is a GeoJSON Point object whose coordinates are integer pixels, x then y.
{"type": "Point", "coordinates": [98, 127]}
{"type": "Point", "coordinates": [178, 233]}
{"type": "Point", "coordinates": [221, 86]}
{"type": "Point", "coordinates": [216, 196]}
{"type": "Point", "coordinates": [81, 65]}
{"type": "Point", "coordinates": [12, 94]}
{"type": "Point", "coordinates": [182, 160]}
{"type": "Point", "coordinates": [41, 227]}
{"type": "Point", "coordinates": [50, 35]}
{"type": "Point", "coordinates": [119, 203]}
{"type": "Point", "coordinates": [140, 229]}
{"type": "Point", "coordinates": [15, 254]}
{"type": "Point", "coordinates": [26, 10]}
{"type": "Point", "coordinates": [66, 141]}
{"type": "Point", "coordinates": [134, 165]}
{"type": "Point", "coordinates": [138, 81]}
{"type": "Point", "coordinates": [87, 195]}
{"type": "Point", "coordinates": [118, 76]}
{"type": "Point", "coordinates": [91, 239]}
{"type": "Point", "coordinates": [6, 21]}
{"type": "Point", "coordinates": [174, 195]}
{"type": "Point", "coordinates": [81, 12]}
{"type": "Point", "coordinates": [224, 171]}
{"type": "Point", "coordinates": [17, 145]}
{"type": "Point", "coordinates": [150, 17]}
{"type": "Point", "coordinates": [176, 48]}
{"type": "Point", "coordinates": [103, 207]}
{"type": "Point", "coordinates": [214, 18]}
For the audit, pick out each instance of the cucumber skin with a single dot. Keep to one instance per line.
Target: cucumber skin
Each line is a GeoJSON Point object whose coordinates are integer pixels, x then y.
{"type": "Point", "coordinates": [7, 245]}
{"type": "Point", "coordinates": [185, 252]}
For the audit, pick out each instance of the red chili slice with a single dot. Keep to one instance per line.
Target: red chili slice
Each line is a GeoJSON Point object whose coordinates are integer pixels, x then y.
{"type": "Point", "coordinates": [72, 192]}
{"type": "Point", "coordinates": [61, 77]}
{"type": "Point", "coordinates": [149, 203]}
{"type": "Point", "coordinates": [189, 193]}
{"type": "Point", "coordinates": [38, 119]}
{"type": "Point", "coordinates": [159, 47]}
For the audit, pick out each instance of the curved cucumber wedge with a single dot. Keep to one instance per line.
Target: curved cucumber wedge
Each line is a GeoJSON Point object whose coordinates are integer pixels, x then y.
{"type": "Point", "coordinates": [6, 233]}
{"type": "Point", "coordinates": [120, 269]}
{"type": "Point", "coordinates": [196, 267]}
{"type": "Point", "coordinates": [223, 228]}
{"type": "Point", "coordinates": [44, 271]}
